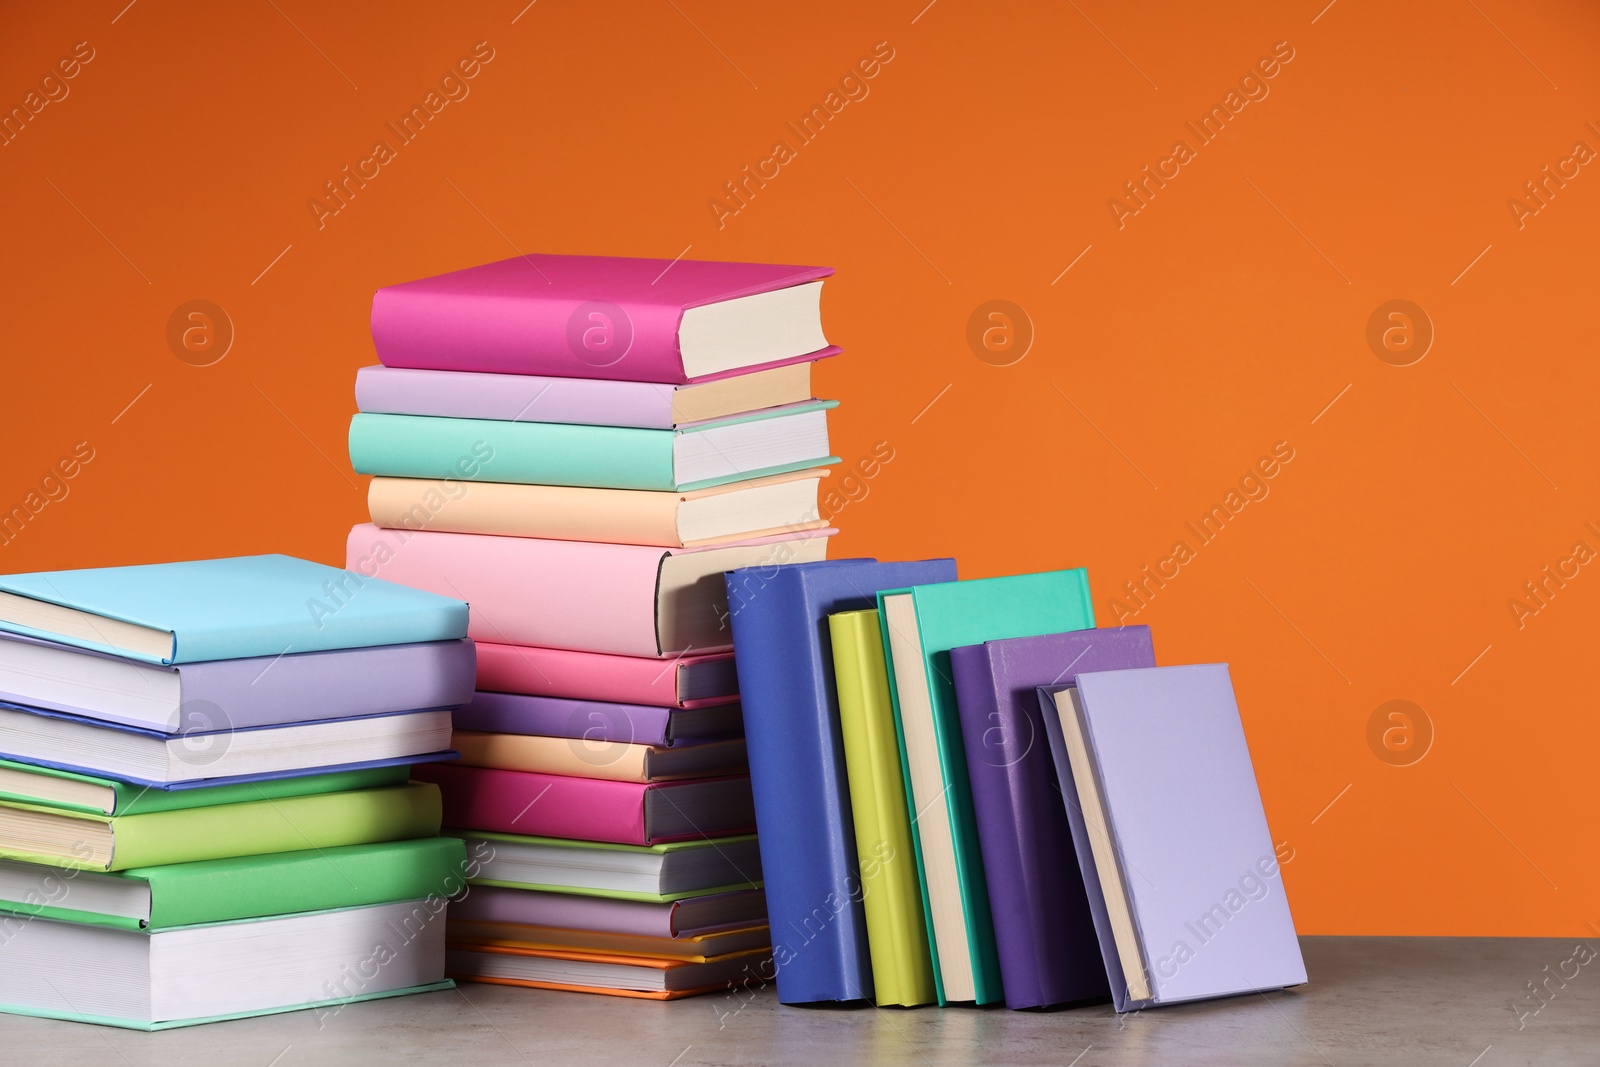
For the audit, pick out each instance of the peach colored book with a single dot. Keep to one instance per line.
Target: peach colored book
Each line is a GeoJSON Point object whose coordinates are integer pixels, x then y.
{"type": "Point", "coordinates": [614, 761]}
{"type": "Point", "coordinates": [723, 514]}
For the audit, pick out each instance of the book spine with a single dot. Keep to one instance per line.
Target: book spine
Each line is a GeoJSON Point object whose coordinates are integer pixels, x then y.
{"type": "Point", "coordinates": [1083, 849]}
{"type": "Point", "coordinates": [269, 691]}
{"type": "Point", "coordinates": [559, 512]}
{"type": "Point", "coordinates": [568, 911]}
{"type": "Point", "coordinates": [253, 887]}
{"type": "Point", "coordinates": [267, 826]}
{"type": "Point", "coordinates": [526, 453]}
{"type": "Point", "coordinates": [964, 831]}
{"type": "Point", "coordinates": [558, 337]}
{"type": "Point", "coordinates": [134, 799]}
{"type": "Point", "coordinates": [797, 775]}
{"type": "Point", "coordinates": [902, 961]}
{"type": "Point", "coordinates": [1004, 753]}
{"type": "Point", "coordinates": [590, 720]}
{"type": "Point", "coordinates": [560, 594]}
{"type": "Point", "coordinates": [514, 397]}
{"type": "Point", "coordinates": [612, 761]}
{"type": "Point", "coordinates": [554, 672]}
{"type": "Point", "coordinates": [539, 805]}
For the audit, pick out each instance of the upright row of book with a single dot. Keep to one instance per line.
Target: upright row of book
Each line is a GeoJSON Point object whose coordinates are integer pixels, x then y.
{"type": "Point", "coordinates": [967, 793]}
{"type": "Point", "coordinates": [580, 447]}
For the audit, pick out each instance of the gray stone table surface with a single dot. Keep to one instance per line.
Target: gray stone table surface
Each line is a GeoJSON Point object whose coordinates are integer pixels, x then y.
{"type": "Point", "coordinates": [1460, 1002]}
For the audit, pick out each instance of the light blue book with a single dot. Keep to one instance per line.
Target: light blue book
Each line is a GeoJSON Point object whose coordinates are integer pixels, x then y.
{"type": "Point", "coordinates": [1180, 869]}
{"type": "Point", "coordinates": [214, 609]}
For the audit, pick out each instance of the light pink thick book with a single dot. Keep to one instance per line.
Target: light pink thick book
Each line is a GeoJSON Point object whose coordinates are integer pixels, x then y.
{"type": "Point", "coordinates": [626, 600]}
{"type": "Point", "coordinates": [590, 809]}
{"type": "Point", "coordinates": [645, 320]}
{"type": "Point", "coordinates": [681, 682]}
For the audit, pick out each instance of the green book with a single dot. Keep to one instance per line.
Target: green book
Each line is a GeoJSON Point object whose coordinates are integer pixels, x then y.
{"type": "Point", "coordinates": [919, 628]}
{"type": "Point", "coordinates": [657, 873]}
{"type": "Point", "coordinates": [891, 890]}
{"type": "Point", "coordinates": [37, 834]}
{"type": "Point", "coordinates": [242, 887]}
{"type": "Point", "coordinates": [695, 456]}
{"type": "Point", "coordinates": [24, 783]}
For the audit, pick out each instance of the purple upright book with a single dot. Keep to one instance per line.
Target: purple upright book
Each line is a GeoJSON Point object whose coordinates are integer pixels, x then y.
{"type": "Point", "coordinates": [597, 720]}
{"type": "Point", "coordinates": [1044, 932]}
{"type": "Point", "coordinates": [1181, 872]}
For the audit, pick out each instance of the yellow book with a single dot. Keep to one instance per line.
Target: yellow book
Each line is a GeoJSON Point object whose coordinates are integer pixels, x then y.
{"type": "Point", "coordinates": [897, 935]}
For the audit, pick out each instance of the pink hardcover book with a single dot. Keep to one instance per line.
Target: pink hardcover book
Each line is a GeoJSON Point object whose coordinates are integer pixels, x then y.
{"type": "Point", "coordinates": [626, 600]}
{"type": "Point", "coordinates": [681, 682]}
{"type": "Point", "coordinates": [590, 809]}
{"type": "Point", "coordinates": [646, 320]}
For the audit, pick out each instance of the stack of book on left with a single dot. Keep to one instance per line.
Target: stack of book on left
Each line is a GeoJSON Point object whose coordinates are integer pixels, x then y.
{"type": "Point", "coordinates": [205, 805]}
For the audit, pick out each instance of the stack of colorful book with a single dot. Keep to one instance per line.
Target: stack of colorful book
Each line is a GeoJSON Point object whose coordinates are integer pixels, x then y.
{"type": "Point", "coordinates": [580, 447]}
{"type": "Point", "coordinates": [205, 805]}
{"type": "Point", "coordinates": [1001, 802]}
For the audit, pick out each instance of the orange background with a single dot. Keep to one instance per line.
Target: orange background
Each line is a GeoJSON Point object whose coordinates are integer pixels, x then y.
{"type": "Point", "coordinates": [1222, 318]}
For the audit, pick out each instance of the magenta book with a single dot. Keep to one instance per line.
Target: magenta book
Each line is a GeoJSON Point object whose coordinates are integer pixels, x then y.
{"type": "Point", "coordinates": [644, 320]}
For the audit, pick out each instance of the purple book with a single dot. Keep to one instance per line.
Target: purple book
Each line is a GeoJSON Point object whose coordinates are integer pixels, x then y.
{"type": "Point", "coordinates": [1045, 935]}
{"type": "Point", "coordinates": [514, 397]}
{"type": "Point", "coordinates": [689, 917]}
{"type": "Point", "coordinates": [594, 720]}
{"type": "Point", "coordinates": [1182, 875]}
{"type": "Point", "coordinates": [532, 398]}
{"type": "Point", "coordinates": [236, 693]}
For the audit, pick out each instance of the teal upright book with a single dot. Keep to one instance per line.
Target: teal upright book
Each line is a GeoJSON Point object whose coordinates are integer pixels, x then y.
{"type": "Point", "coordinates": [215, 609]}
{"type": "Point", "coordinates": [693, 456]}
{"type": "Point", "coordinates": [920, 626]}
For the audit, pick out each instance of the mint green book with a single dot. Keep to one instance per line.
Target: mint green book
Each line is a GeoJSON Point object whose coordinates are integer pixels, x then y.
{"type": "Point", "coordinates": [243, 887]}
{"type": "Point", "coordinates": [657, 873]}
{"type": "Point", "coordinates": [24, 783]}
{"type": "Point", "coordinates": [693, 456]}
{"type": "Point", "coordinates": [920, 626]}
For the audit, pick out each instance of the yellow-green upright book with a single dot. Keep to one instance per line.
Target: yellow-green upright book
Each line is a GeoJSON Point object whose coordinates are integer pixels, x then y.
{"type": "Point", "coordinates": [897, 934]}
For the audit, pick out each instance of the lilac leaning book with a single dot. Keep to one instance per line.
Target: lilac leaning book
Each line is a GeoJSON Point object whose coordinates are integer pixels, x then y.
{"type": "Point", "coordinates": [572, 911]}
{"type": "Point", "coordinates": [1043, 930]}
{"type": "Point", "coordinates": [1181, 871]}
{"type": "Point", "coordinates": [236, 693]}
{"type": "Point", "coordinates": [594, 720]}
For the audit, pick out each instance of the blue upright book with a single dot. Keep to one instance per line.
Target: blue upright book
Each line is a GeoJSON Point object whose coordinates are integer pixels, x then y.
{"type": "Point", "coordinates": [791, 720]}
{"type": "Point", "coordinates": [214, 609]}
